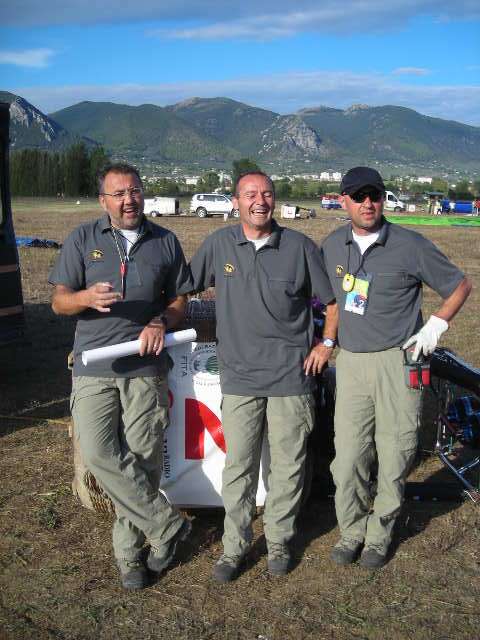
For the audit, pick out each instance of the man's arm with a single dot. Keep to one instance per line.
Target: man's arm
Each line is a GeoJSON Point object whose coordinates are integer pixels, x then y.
{"type": "Point", "coordinates": [319, 355]}
{"type": "Point", "coordinates": [202, 268]}
{"type": "Point", "coordinates": [99, 296]}
{"type": "Point", "coordinates": [153, 335]}
{"type": "Point", "coordinates": [452, 305]}
{"type": "Point", "coordinates": [427, 338]}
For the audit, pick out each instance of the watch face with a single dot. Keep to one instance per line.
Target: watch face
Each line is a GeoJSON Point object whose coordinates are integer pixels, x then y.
{"type": "Point", "coordinates": [328, 342]}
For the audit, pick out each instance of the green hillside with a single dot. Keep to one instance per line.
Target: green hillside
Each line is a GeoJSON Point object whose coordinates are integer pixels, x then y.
{"type": "Point", "coordinates": [212, 132]}
{"type": "Point", "coordinates": [231, 123]}
{"type": "Point", "coordinates": [146, 132]}
{"type": "Point", "coordinates": [392, 134]}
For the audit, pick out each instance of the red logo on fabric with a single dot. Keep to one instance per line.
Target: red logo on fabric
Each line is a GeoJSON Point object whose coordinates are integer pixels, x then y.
{"type": "Point", "coordinates": [198, 418]}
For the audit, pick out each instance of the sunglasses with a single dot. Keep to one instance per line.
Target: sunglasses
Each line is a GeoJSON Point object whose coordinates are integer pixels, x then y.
{"type": "Point", "coordinates": [359, 196]}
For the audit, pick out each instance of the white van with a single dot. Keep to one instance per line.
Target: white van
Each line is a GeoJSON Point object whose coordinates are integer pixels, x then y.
{"type": "Point", "coordinates": [392, 203]}
{"type": "Point", "coordinates": [161, 206]}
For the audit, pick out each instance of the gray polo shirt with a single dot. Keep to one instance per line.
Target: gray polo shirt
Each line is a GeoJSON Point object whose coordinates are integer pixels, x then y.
{"type": "Point", "coordinates": [156, 270]}
{"type": "Point", "coordinates": [398, 263]}
{"type": "Point", "coordinates": [264, 318]}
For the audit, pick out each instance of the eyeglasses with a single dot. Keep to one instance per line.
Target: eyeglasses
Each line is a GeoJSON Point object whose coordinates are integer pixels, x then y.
{"type": "Point", "coordinates": [121, 195]}
{"type": "Point", "coordinates": [359, 196]}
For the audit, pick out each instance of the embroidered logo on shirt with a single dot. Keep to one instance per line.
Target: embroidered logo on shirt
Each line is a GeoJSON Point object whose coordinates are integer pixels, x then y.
{"type": "Point", "coordinates": [228, 269]}
{"type": "Point", "coordinates": [96, 254]}
{"type": "Point", "coordinates": [339, 270]}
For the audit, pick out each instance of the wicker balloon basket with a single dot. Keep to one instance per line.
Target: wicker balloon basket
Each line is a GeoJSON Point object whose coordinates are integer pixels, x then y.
{"type": "Point", "coordinates": [200, 315]}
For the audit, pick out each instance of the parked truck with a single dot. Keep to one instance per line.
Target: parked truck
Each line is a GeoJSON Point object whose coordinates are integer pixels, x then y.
{"type": "Point", "coordinates": [393, 203]}
{"type": "Point", "coordinates": [161, 206]}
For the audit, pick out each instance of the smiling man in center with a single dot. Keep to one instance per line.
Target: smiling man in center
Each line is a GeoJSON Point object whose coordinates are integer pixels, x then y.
{"type": "Point", "coordinates": [265, 276]}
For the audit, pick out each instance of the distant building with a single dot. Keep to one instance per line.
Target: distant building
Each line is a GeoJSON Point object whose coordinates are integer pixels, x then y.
{"type": "Point", "coordinates": [224, 176]}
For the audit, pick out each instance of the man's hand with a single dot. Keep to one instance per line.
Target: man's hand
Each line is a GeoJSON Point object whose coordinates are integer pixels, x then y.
{"type": "Point", "coordinates": [152, 337]}
{"type": "Point", "coordinates": [317, 359]}
{"type": "Point", "coordinates": [427, 338]}
{"type": "Point", "coordinates": [100, 296]}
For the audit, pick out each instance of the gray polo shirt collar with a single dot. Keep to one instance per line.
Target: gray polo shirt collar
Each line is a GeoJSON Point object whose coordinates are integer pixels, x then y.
{"type": "Point", "coordinates": [382, 238]}
{"type": "Point", "coordinates": [273, 240]}
{"type": "Point", "coordinates": [106, 225]}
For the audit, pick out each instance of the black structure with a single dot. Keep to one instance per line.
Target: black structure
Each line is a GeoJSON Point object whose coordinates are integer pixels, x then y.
{"type": "Point", "coordinates": [11, 300]}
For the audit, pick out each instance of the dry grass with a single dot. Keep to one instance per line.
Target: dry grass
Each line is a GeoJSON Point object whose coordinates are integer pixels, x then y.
{"type": "Point", "coordinates": [57, 576]}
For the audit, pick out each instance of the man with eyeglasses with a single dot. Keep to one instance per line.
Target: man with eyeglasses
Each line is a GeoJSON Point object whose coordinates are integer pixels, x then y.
{"type": "Point", "coordinates": [377, 271]}
{"type": "Point", "coordinates": [120, 275]}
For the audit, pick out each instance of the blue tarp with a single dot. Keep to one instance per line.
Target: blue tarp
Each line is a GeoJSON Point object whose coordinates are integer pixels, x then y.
{"type": "Point", "coordinates": [26, 241]}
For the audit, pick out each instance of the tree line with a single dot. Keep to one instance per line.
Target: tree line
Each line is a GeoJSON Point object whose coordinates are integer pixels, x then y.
{"type": "Point", "coordinates": [71, 173]}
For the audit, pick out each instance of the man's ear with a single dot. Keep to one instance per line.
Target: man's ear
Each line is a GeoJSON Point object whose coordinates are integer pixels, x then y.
{"type": "Point", "coordinates": [341, 199]}
{"type": "Point", "coordinates": [103, 204]}
{"type": "Point", "coordinates": [235, 202]}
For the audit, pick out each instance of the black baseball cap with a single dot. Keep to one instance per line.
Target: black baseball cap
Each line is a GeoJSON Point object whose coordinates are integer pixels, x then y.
{"type": "Point", "coordinates": [360, 177]}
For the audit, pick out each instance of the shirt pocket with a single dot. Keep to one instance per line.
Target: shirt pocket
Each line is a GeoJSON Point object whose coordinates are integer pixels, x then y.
{"type": "Point", "coordinates": [282, 285]}
{"type": "Point", "coordinates": [102, 271]}
{"type": "Point", "coordinates": [285, 299]}
{"type": "Point", "coordinates": [392, 281]}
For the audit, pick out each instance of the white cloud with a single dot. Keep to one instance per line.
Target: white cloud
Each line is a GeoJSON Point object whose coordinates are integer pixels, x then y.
{"type": "Point", "coordinates": [282, 21]}
{"type": "Point", "coordinates": [283, 93]}
{"type": "Point", "coordinates": [37, 58]}
{"type": "Point", "coordinates": [410, 71]}
{"type": "Point", "coordinates": [230, 18]}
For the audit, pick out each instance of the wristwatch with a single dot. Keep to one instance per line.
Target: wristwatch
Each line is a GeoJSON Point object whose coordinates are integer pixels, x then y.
{"type": "Point", "coordinates": [329, 343]}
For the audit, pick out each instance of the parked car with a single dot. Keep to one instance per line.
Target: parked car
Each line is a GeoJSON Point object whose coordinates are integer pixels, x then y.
{"type": "Point", "coordinates": [212, 204]}
{"type": "Point", "coordinates": [331, 202]}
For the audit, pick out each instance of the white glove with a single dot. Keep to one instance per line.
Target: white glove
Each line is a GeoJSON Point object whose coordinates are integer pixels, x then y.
{"type": "Point", "coordinates": [427, 338]}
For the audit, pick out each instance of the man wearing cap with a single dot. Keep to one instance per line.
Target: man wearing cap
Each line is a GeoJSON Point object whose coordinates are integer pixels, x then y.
{"type": "Point", "coordinates": [120, 275]}
{"type": "Point", "coordinates": [264, 276]}
{"type": "Point", "coordinates": [377, 271]}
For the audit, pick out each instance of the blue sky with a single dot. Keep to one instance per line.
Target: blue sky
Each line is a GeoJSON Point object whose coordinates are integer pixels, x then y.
{"type": "Point", "coordinates": [283, 56]}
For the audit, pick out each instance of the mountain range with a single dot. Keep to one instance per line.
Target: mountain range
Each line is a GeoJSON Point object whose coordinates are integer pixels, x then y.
{"type": "Point", "coordinates": [212, 132]}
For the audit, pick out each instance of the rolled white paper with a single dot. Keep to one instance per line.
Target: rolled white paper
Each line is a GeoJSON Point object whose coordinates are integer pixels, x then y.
{"type": "Point", "coordinates": [133, 347]}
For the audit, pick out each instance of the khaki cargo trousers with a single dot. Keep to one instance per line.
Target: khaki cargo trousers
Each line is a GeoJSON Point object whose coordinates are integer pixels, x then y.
{"type": "Point", "coordinates": [375, 412]}
{"type": "Point", "coordinates": [120, 423]}
{"type": "Point", "coordinates": [287, 421]}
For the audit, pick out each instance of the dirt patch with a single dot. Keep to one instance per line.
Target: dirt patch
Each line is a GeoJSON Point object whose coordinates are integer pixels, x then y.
{"type": "Point", "coordinates": [57, 577]}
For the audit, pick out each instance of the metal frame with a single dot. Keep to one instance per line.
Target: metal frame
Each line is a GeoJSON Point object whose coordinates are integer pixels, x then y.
{"type": "Point", "coordinates": [448, 437]}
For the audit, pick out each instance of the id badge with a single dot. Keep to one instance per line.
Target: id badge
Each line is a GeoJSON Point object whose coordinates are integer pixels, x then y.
{"type": "Point", "coordinates": [357, 299]}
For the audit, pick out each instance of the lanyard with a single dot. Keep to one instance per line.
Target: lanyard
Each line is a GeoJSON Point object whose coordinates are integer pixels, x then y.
{"type": "Point", "coordinates": [348, 282]}
{"type": "Point", "coordinates": [123, 262]}
{"type": "Point", "coordinates": [362, 259]}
